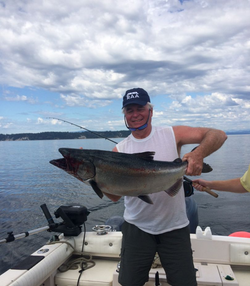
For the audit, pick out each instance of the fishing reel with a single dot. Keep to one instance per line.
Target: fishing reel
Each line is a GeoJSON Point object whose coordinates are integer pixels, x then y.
{"type": "Point", "coordinates": [73, 218]}
{"type": "Point", "coordinates": [188, 187]}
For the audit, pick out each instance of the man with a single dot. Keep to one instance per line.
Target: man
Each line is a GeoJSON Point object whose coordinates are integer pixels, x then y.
{"type": "Point", "coordinates": [163, 226]}
{"type": "Point", "coordinates": [237, 185]}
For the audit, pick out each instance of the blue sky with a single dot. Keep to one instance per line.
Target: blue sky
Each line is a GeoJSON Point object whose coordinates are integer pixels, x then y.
{"type": "Point", "coordinates": [74, 60]}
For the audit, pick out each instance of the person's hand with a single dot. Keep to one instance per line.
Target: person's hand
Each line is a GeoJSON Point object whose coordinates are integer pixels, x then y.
{"type": "Point", "coordinates": [200, 185]}
{"type": "Point", "coordinates": [195, 164]}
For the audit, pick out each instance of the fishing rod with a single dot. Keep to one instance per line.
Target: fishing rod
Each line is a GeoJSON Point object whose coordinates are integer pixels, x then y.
{"type": "Point", "coordinates": [204, 189]}
{"type": "Point", "coordinates": [73, 217]}
{"type": "Point", "coordinates": [11, 237]}
{"type": "Point", "coordinates": [83, 128]}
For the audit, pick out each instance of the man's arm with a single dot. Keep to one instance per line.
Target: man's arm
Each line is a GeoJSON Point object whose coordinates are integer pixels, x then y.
{"type": "Point", "coordinates": [209, 141]}
{"type": "Point", "coordinates": [233, 185]}
{"type": "Point", "coordinates": [113, 198]}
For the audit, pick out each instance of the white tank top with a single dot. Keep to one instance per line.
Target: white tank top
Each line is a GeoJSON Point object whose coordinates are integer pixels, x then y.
{"type": "Point", "coordinates": [166, 213]}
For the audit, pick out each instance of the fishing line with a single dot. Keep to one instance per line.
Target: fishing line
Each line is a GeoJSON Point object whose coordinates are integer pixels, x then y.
{"type": "Point", "coordinates": [84, 129]}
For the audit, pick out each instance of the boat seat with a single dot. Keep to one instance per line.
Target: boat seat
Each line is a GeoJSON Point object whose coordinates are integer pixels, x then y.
{"type": "Point", "coordinates": [226, 250]}
{"type": "Point", "coordinates": [240, 253]}
{"type": "Point", "coordinates": [107, 245]}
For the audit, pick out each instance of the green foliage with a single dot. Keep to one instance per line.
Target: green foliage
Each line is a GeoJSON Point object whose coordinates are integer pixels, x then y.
{"type": "Point", "coordinates": [62, 135]}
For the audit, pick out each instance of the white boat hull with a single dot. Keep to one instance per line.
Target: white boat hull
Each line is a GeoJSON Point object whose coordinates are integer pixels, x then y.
{"type": "Point", "coordinates": [217, 259]}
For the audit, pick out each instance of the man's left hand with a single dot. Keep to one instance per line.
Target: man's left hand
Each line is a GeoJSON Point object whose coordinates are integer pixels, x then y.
{"type": "Point", "coordinates": [195, 164]}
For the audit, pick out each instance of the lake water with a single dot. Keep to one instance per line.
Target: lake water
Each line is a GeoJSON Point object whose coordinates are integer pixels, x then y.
{"type": "Point", "coordinates": [28, 180]}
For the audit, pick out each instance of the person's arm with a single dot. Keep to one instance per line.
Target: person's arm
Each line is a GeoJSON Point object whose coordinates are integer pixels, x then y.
{"type": "Point", "coordinates": [113, 198]}
{"type": "Point", "coordinates": [209, 141]}
{"type": "Point", "coordinates": [233, 185]}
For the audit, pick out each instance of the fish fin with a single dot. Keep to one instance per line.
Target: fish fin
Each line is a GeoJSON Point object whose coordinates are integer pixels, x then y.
{"type": "Point", "coordinates": [206, 168]}
{"type": "Point", "coordinates": [173, 190]}
{"type": "Point", "coordinates": [149, 155]}
{"type": "Point", "coordinates": [177, 160]}
{"type": "Point", "coordinates": [146, 199]}
{"type": "Point", "coordinates": [95, 187]}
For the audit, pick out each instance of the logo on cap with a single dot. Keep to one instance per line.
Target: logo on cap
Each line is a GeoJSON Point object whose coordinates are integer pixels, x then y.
{"type": "Point", "coordinates": [131, 95]}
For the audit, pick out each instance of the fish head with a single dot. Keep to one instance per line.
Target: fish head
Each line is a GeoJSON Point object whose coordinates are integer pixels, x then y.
{"type": "Point", "coordinates": [75, 163]}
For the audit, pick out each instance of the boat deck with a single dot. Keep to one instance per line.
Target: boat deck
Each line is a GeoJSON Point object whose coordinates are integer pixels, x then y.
{"type": "Point", "coordinates": [219, 260]}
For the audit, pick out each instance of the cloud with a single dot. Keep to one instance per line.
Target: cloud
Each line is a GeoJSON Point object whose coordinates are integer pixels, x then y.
{"type": "Point", "coordinates": [20, 98]}
{"type": "Point", "coordinates": [77, 100]}
{"type": "Point", "coordinates": [17, 98]}
{"type": "Point", "coordinates": [214, 101]}
{"type": "Point", "coordinates": [4, 123]}
{"type": "Point", "coordinates": [88, 52]}
{"type": "Point", "coordinates": [40, 120]}
{"type": "Point", "coordinates": [77, 44]}
{"type": "Point", "coordinates": [218, 110]}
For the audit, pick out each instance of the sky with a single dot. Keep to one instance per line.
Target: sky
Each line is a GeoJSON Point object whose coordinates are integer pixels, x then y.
{"type": "Point", "coordinates": [74, 60]}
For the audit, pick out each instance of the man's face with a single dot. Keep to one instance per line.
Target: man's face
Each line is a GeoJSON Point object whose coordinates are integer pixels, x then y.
{"type": "Point", "coordinates": [136, 115]}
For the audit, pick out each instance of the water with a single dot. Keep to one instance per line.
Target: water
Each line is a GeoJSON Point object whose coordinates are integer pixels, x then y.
{"type": "Point", "coordinates": [28, 180]}
{"type": "Point", "coordinates": [229, 212]}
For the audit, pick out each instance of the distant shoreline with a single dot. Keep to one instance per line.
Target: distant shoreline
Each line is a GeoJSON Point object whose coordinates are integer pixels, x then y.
{"type": "Point", "coordinates": [78, 135]}
{"type": "Point", "coordinates": [63, 135]}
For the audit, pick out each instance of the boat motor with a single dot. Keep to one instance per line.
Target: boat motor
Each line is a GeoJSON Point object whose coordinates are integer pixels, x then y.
{"type": "Point", "coordinates": [73, 218]}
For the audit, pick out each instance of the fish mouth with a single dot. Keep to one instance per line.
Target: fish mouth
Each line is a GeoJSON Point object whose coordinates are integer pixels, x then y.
{"type": "Point", "coordinates": [60, 163]}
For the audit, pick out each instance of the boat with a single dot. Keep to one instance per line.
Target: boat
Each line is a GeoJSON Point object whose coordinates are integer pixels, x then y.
{"type": "Point", "coordinates": [91, 258]}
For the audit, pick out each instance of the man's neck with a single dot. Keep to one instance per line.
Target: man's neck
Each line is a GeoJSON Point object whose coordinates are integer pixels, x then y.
{"type": "Point", "coordinates": [141, 134]}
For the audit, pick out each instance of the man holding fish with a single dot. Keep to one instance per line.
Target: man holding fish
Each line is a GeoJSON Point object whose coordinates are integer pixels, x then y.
{"type": "Point", "coordinates": [146, 169]}
{"type": "Point", "coordinates": [162, 226]}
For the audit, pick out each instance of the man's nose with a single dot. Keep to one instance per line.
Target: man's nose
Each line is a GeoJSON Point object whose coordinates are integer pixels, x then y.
{"type": "Point", "coordinates": [135, 113]}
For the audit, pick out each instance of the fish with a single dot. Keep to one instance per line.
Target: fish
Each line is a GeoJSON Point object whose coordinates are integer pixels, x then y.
{"type": "Point", "coordinates": [123, 174]}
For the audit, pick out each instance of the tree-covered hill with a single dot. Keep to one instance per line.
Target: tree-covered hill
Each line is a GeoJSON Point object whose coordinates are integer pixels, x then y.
{"type": "Point", "coordinates": [62, 135]}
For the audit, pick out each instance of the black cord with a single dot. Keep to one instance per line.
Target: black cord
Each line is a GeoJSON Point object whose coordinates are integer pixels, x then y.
{"type": "Point", "coordinates": [83, 243]}
{"type": "Point", "coordinates": [82, 261]}
{"type": "Point", "coordinates": [84, 236]}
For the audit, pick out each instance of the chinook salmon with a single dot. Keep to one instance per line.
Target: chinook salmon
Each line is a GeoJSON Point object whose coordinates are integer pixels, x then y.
{"type": "Point", "coordinates": [123, 174]}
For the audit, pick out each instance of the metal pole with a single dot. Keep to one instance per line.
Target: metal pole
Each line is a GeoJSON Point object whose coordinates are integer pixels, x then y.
{"type": "Point", "coordinates": [13, 237]}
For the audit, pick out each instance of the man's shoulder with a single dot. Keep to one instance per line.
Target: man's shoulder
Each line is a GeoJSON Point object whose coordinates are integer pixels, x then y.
{"type": "Point", "coordinates": [163, 129]}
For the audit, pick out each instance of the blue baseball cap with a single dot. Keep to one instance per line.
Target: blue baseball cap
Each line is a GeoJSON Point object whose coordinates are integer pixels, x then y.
{"type": "Point", "coordinates": [135, 96]}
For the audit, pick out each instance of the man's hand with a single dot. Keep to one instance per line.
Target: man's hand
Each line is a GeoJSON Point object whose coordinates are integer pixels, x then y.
{"type": "Point", "coordinates": [195, 163]}
{"type": "Point", "coordinates": [209, 141]}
